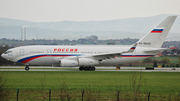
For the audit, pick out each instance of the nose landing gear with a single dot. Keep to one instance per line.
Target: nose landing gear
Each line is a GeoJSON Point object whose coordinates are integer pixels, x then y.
{"type": "Point", "coordinates": [27, 68]}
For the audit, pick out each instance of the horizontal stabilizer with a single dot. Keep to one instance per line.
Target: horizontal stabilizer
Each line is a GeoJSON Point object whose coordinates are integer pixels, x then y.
{"type": "Point", "coordinates": [157, 50]}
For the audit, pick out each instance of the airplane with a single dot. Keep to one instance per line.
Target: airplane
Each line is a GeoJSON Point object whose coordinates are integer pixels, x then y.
{"type": "Point", "coordinates": [86, 57]}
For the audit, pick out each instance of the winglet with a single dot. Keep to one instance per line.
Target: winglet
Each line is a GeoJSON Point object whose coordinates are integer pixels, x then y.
{"type": "Point", "coordinates": [132, 48]}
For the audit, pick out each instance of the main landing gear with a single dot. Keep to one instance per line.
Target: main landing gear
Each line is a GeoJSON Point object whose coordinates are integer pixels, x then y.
{"type": "Point", "coordinates": [27, 68]}
{"type": "Point", "coordinates": [87, 68]}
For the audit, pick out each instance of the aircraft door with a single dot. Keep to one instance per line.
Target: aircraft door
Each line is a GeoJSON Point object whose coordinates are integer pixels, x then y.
{"type": "Point", "coordinates": [21, 52]}
{"type": "Point", "coordinates": [49, 52]}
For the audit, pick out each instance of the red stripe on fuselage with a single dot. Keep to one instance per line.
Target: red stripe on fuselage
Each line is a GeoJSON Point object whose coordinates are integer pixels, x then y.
{"type": "Point", "coordinates": [25, 61]}
{"type": "Point", "coordinates": [156, 31]}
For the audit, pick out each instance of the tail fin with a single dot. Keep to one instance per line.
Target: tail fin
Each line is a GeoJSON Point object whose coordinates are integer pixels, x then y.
{"type": "Point", "coordinates": [157, 36]}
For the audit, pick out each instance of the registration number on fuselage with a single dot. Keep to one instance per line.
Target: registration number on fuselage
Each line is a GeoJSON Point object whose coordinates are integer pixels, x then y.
{"type": "Point", "coordinates": [144, 43]}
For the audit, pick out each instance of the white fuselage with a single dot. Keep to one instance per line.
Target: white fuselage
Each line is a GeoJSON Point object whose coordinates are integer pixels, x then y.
{"type": "Point", "coordinates": [51, 55]}
{"type": "Point", "coordinates": [87, 56]}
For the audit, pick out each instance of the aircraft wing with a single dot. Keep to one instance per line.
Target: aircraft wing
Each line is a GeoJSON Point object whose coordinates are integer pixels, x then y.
{"type": "Point", "coordinates": [114, 54]}
{"type": "Point", "coordinates": [101, 56]}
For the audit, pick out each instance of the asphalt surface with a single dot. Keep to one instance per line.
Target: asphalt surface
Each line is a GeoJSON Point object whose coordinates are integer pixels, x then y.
{"type": "Point", "coordinates": [48, 68]}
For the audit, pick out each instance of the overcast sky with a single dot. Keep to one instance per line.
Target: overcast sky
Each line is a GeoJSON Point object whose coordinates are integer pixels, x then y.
{"type": "Point", "coordinates": [85, 10]}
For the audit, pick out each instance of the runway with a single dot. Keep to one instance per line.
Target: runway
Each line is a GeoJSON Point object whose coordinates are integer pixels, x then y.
{"type": "Point", "coordinates": [48, 68]}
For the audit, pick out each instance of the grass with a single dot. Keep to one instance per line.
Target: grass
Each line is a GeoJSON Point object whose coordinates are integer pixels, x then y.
{"type": "Point", "coordinates": [162, 82]}
{"type": "Point", "coordinates": [104, 84]}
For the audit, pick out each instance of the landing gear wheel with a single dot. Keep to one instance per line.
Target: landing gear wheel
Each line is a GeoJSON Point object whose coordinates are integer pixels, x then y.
{"type": "Point", "coordinates": [27, 68]}
{"type": "Point", "coordinates": [85, 68]}
{"type": "Point", "coordinates": [89, 68]}
{"type": "Point", "coordinates": [93, 68]}
{"type": "Point", "coordinates": [81, 68]}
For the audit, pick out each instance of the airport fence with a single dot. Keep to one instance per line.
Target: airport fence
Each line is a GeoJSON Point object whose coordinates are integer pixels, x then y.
{"type": "Point", "coordinates": [87, 95]}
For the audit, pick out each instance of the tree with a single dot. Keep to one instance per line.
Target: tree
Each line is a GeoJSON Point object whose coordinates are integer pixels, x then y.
{"type": "Point", "coordinates": [92, 37]}
{"type": "Point", "coordinates": [155, 64]}
{"type": "Point", "coordinates": [163, 65]}
{"type": "Point", "coordinates": [179, 60]}
{"type": "Point", "coordinates": [166, 60]}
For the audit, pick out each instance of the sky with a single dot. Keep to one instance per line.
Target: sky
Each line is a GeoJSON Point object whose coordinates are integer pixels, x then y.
{"type": "Point", "coordinates": [85, 10]}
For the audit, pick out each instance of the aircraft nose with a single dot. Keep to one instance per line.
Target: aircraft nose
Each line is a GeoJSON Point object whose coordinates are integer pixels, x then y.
{"type": "Point", "coordinates": [2, 55]}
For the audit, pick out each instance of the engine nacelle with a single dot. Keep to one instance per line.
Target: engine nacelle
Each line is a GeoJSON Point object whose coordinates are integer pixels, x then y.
{"type": "Point", "coordinates": [88, 62]}
{"type": "Point", "coordinates": [68, 63]}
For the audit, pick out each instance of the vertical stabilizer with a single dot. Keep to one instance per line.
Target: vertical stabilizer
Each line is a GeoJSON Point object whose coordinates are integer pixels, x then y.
{"type": "Point", "coordinates": [157, 36]}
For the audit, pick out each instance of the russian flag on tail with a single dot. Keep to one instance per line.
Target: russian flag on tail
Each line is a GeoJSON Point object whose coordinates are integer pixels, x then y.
{"type": "Point", "coordinates": [157, 30]}
{"type": "Point", "coordinates": [133, 47]}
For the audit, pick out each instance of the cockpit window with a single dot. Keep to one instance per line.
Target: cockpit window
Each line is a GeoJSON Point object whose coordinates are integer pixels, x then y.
{"type": "Point", "coordinates": [8, 52]}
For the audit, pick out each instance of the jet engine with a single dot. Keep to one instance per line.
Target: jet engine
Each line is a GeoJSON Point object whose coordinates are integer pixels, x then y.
{"type": "Point", "coordinates": [79, 62]}
{"type": "Point", "coordinates": [68, 63]}
{"type": "Point", "coordinates": [88, 62]}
